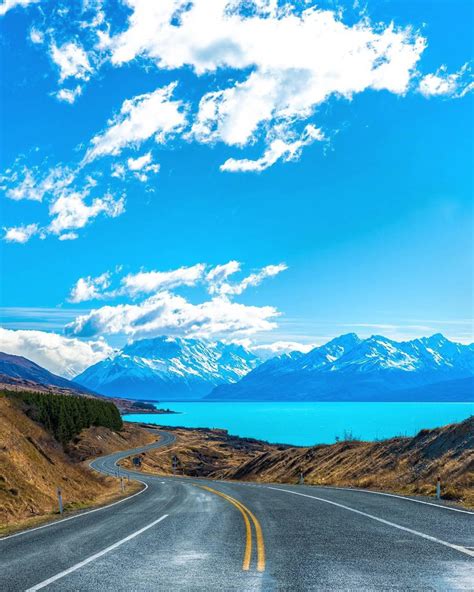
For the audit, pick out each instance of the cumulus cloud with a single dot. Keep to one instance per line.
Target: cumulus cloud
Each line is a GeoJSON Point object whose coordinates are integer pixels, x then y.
{"type": "Point", "coordinates": [146, 282]}
{"type": "Point", "coordinates": [218, 284]}
{"type": "Point", "coordinates": [272, 67]}
{"type": "Point", "coordinates": [20, 234]}
{"type": "Point", "coordinates": [153, 114]}
{"type": "Point", "coordinates": [215, 279]}
{"type": "Point", "coordinates": [170, 314]}
{"type": "Point", "coordinates": [71, 60]}
{"type": "Point", "coordinates": [219, 274]}
{"type": "Point", "coordinates": [140, 167]}
{"type": "Point", "coordinates": [20, 182]}
{"type": "Point", "coordinates": [69, 95]}
{"type": "Point", "coordinates": [71, 212]}
{"type": "Point", "coordinates": [266, 351]}
{"type": "Point", "coordinates": [9, 4]}
{"type": "Point", "coordinates": [280, 148]}
{"type": "Point", "coordinates": [90, 288]}
{"type": "Point", "coordinates": [165, 312]}
{"type": "Point", "coordinates": [297, 59]}
{"type": "Point", "coordinates": [69, 209]}
{"type": "Point", "coordinates": [137, 164]}
{"type": "Point", "coordinates": [442, 83]}
{"type": "Point", "coordinates": [61, 355]}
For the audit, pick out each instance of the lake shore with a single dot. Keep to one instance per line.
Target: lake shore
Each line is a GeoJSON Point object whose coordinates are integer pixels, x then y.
{"type": "Point", "coordinates": [408, 466]}
{"type": "Point", "coordinates": [308, 424]}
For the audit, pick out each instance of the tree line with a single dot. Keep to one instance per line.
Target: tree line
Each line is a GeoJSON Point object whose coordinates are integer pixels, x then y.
{"type": "Point", "coordinates": [65, 416]}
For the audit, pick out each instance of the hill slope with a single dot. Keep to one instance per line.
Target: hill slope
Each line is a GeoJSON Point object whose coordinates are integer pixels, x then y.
{"type": "Point", "coordinates": [33, 464]}
{"type": "Point", "coordinates": [19, 372]}
{"type": "Point", "coordinates": [409, 465]}
{"type": "Point", "coordinates": [168, 367]}
{"type": "Point", "coordinates": [373, 369]}
{"type": "Point", "coordinates": [404, 465]}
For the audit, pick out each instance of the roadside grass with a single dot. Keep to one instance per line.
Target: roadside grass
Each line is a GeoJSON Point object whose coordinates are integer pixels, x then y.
{"type": "Point", "coordinates": [70, 509]}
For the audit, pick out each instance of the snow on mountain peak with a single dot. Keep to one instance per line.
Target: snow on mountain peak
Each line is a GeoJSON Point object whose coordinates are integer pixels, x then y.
{"type": "Point", "coordinates": [169, 366]}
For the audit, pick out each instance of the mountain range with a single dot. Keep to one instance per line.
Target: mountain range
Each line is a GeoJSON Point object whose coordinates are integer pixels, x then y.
{"type": "Point", "coordinates": [346, 368]}
{"type": "Point", "coordinates": [168, 368]}
{"type": "Point", "coordinates": [20, 373]}
{"type": "Point", "coordinates": [373, 369]}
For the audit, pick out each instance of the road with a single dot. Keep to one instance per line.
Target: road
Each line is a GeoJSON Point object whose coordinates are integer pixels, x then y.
{"type": "Point", "coordinates": [185, 534]}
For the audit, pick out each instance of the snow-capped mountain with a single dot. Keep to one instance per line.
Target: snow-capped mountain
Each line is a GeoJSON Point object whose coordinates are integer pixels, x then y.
{"type": "Point", "coordinates": [168, 368]}
{"type": "Point", "coordinates": [350, 368]}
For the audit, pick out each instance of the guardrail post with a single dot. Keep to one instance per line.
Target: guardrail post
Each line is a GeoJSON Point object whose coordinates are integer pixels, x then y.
{"type": "Point", "coordinates": [60, 500]}
{"type": "Point", "coordinates": [438, 488]}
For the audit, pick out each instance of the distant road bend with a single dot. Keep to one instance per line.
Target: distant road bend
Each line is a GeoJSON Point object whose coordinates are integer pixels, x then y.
{"type": "Point", "coordinates": [185, 534]}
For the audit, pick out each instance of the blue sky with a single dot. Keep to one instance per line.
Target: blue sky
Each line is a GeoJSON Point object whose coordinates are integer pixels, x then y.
{"type": "Point", "coordinates": [335, 167]}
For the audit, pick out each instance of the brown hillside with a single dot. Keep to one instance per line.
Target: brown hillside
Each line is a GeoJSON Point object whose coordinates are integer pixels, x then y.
{"type": "Point", "coordinates": [408, 465]}
{"type": "Point", "coordinates": [33, 465]}
{"type": "Point", "coordinates": [405, 465]}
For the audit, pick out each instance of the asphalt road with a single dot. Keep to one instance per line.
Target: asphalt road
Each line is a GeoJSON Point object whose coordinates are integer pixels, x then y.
{"type": "Point", "coordinates": [182, 534]}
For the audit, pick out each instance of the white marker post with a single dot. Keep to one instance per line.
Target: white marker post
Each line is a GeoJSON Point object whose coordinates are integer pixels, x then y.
{"type": "Point", "coordinates": [122, 486]}
{"type": "Point", "coordinates": [60, 501]}
{"type": "Point", "coordinates": [438, 488]}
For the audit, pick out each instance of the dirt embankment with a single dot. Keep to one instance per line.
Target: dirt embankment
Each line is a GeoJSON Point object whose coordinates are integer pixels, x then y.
{"type": "Point", "coordinates": [404, 465]}
{"type": "Point", "coordinates": [33, 465]}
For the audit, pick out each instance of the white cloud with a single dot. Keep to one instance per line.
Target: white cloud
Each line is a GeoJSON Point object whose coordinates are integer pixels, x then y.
{"type": "Point", "coordinates": [219, 274]}
{"type": "Point", "coordinates": [297, 58]}
{"type": "Point", "coordinates": [90, 288]}
{"type": "Point", "coordinates": [279, 148]}
{"type": "Point", "coordinates": [167, 313]}
{"type": "Point", "coordinates": [71, 60]}
{"type": "Point", "coordinates": [140, 167]}
{"type": "Point", "coordinates": [21, 182]}
{"type": "Point", "coordinates": [68, 236]}
{"type": "Point", "coordinates": [61, 355]}
{"type": "Point", "coordinates": [146, 282]}
{"type": "Point", "coordinates": [449, 85]}
{"type": "Point", "coordinates": [20, 234]}
{"type": "Point", "coordinates": [36, 36]}
{"type": "Point", "coordinates": [69, 95]}
{"type": "Point", "coordinates": [149, 282]}
{"type": "Point", "coordinates": [9, 4]}
{"type": "Point", "coordinates": [137, 164]}
{"type": "Point", "coordinates": [71, 212]}
{"type": "Point", "coordinates": [153, 114]}
{"type": "Point", "coordinates": [218, 284]}
{"type": "Point", "coordinates": [277, 348]}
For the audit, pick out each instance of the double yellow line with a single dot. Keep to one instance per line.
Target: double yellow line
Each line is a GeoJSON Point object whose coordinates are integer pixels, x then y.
{"type": "Point", "coordinates": [246, 513]}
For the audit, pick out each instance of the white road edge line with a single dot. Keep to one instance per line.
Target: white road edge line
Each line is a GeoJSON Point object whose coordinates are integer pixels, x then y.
{"type": "Point", "coordinates": [428, 537]}
{"type": "Point", "coordinates": [125, 499]}
{"type": "Point", "coordinates": [402, 497]}
{"type": "Point", "coordinates": [66, 572]}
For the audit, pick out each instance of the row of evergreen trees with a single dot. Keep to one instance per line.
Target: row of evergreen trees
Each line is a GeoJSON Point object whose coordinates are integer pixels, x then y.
{"type": "Point", "coordinates": [65, 416]}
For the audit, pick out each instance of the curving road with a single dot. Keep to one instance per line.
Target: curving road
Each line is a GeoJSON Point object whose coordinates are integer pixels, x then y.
{"type": "Point", "coordinates": [185, 534]}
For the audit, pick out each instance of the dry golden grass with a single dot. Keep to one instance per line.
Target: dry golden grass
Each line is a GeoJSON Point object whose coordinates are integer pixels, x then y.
{"type": "Point", "coordinates": [403, 465]}
{"type": "Point", "coordinates": [202, 452]}
{"type": "Point", "coordinates": [33, 465]}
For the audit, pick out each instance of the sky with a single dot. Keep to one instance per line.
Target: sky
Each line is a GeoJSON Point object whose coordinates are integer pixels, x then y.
{"type": "Point", "coordinates": [269, 173]}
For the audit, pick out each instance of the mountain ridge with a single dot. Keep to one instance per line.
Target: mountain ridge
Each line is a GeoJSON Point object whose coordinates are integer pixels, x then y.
{"type": "Point", "coordinates": [348, 368]}
{"type": "Point", "coordinates": [19, 371]}
{"type": "Point", "coordinates": [168, 367]}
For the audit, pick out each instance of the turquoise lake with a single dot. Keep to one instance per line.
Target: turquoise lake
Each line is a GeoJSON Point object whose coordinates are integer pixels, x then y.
{"type": "Point", "coordinates": [306, 424]}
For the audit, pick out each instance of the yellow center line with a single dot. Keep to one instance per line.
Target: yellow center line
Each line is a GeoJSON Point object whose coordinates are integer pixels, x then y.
{"type": "Point", "coordinates": [258, 531]}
